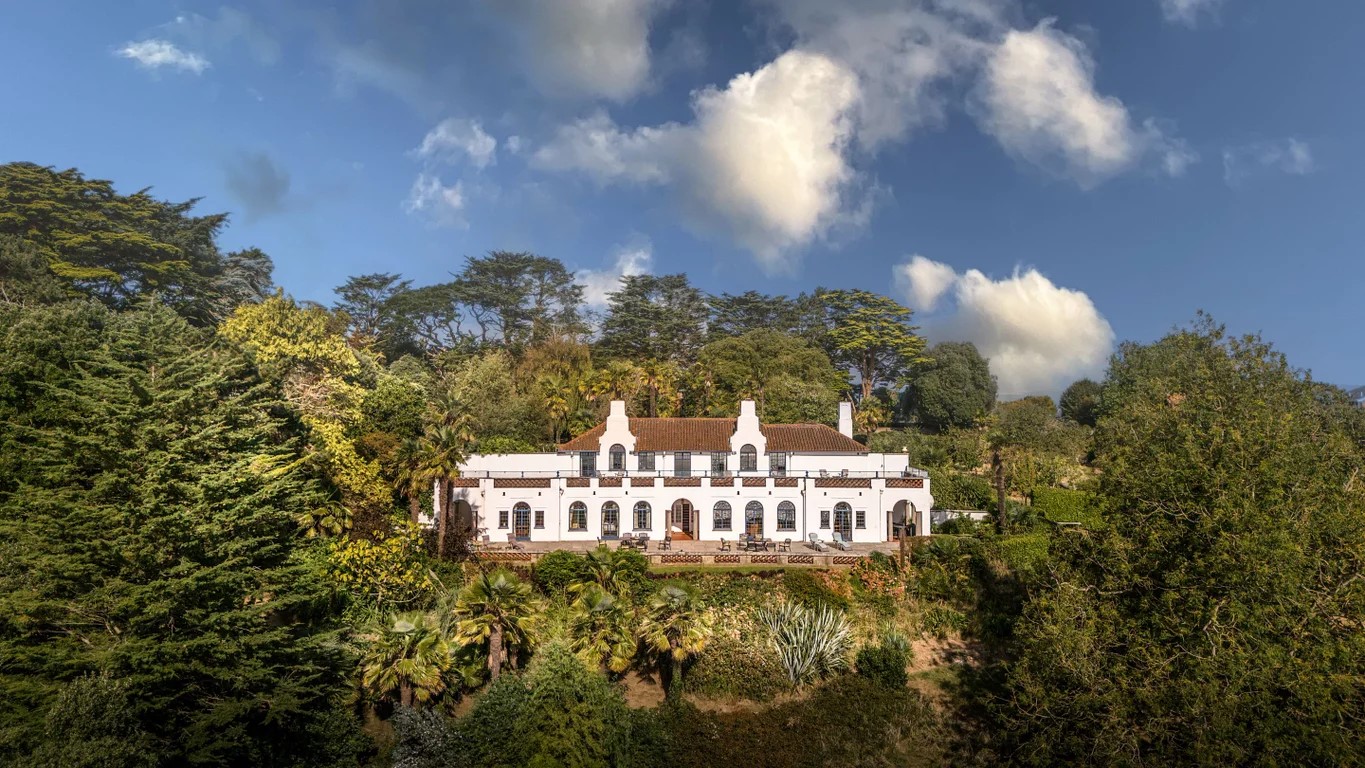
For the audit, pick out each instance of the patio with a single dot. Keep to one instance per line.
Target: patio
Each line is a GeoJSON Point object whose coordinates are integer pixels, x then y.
{"type": "Point", "coordinates": [701, 553]}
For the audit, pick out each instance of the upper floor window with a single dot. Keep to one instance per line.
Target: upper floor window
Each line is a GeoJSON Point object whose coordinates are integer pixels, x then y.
{"type": "Point", "coordinates": [717, 464]}
{"type": "Point", "coordinates": [682, 464]}
{"type": "Point", "coordinates": [777, 464]}
{"type": "Point", "coordinates": [646, 461]}
{"type": "Point", "coordinates": [617, 456]}
{"type": "Point", "coordinates": [748, 459]}
{"type": "Point", "coordinates": [587, 463]}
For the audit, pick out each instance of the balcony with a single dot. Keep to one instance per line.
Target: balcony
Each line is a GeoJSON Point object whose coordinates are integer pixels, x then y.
{"type": "Point", "coordinates": [606, 475]}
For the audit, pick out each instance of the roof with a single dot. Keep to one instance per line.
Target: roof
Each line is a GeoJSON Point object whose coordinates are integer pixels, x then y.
{"type": "Point", "coordinates": [713, 434]}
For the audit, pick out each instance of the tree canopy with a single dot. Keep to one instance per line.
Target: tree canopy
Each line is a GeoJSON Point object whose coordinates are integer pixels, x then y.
{"type": "Point", "coordinates": [953, 388]}
{"type": "Point", "coordinates": [871, 335]}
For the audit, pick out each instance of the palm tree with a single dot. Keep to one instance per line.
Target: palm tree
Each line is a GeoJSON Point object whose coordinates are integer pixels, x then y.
{"type": "Point", "coordinates": [442, 451]}
{"type": "Point", "coordinates": [608, 570]}
{"type": "Point", "coordinates": [676, 627]}
{"type": "Point", "coordinates": [498, 608]}
{"type": "Point", "coordinates": [555, 398]}
{"type": "Point", "coordinates": [410, 654]}
{"type": "Point", "coordinates": [412, 479]}
{"type": "Point", "coordinates": [600, 628]}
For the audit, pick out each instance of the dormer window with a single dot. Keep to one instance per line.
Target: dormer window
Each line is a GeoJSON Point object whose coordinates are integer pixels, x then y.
{"type": "Point", "coordinates": [748, 459]}
{"type": "Point", "coordinates": [617, 458]}
{"type": "Point", "coordinates": [646, 461]}
{"type": "Point", "coordinates": [587, 463]}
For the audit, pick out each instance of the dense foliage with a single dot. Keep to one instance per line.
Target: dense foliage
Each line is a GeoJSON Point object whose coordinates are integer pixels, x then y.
{"type": "Point", "coordinates": [953, 388]}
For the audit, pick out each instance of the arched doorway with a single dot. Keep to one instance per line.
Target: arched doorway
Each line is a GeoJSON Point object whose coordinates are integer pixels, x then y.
{"type": "Point", "coordinates": [843, 520]}
{"type": "Point", "coordinates": [611, 520]}
{"type": "Point", "coordinates": [682, 524]}
{"type": "Point", "coordinates": [464, 520]}
{"type": "Point", "coordinates": [900, 521]}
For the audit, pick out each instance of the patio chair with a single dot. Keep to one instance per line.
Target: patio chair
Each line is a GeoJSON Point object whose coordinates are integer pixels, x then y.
{"type": "Point", "coordinates": [627, 541]}
{"type": "Point", "coordinates": [512, 542]}
{"type": "Point", "coordinates": [667, 543]}
{"type": "Point", "coordinates": [840, 542]}
{"type": "Point", "coordinates": [642, 541]}
{"type": "Point", "coordinates": [816, 544]}
{"type": "Point", "coordinates": [724, 545]}
{"type": "Point", "coordinates": [785, 546]}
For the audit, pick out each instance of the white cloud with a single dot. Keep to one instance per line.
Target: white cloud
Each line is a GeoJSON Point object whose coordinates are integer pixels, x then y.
{"type": "Point", "coordinates": [1037, 98]}
{"type": "Point", "coordinates": [1290, 156]}
{"type": "Point", "coordinates": [763, 161]}
{"type": "Point", "coordinates": [155, 54]}
{"type": "Point", "coordinates": [453, 139]}
{"type": "Point", "coordinates": [592, 48]}
{"type": "Point", "coordinates": [923, 281]}
{"type": "Point", "coordinates": [598, 283]}
{"type": "Point", "coordinates": [1187, 12]}
{"type": "Point", "coordinates": [442, 205]}
{"type": "Point", "coordinates": [1038, 336]}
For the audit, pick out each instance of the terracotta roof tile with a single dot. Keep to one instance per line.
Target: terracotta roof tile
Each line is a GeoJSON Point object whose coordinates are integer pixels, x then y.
{"type": "Point", "coordinates": [808, 438]}
{"type": "Point", "coordinates": [713, 434]}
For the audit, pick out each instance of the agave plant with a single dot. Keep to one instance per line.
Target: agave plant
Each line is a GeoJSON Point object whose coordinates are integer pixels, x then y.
{"type": "Point", "coordinates": [811, 643]}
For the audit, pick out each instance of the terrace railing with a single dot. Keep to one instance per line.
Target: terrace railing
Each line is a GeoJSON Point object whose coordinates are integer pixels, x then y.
{"type": "Point", "coordinates": [797, 473]}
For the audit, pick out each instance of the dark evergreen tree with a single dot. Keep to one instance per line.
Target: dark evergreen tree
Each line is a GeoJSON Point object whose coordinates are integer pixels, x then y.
{"type": "Point", "coordinates": [149, 482]}
{"type": "Point", "coordinates": [654, 317]}
{"type": "Point", "coordinates": [1081, 402]}
{"type": "Point", "coordinates": [954, 388]}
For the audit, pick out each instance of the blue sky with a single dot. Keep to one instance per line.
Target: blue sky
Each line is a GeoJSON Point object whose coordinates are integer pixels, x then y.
{"type": "Point", "coordinates": [1043, 178]}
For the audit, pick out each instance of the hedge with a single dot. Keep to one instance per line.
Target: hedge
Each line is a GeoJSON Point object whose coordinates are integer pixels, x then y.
{"type": "Point", "coordinates": [954, 490]}
{"type": "Point", "coordinates": [1063, 506]}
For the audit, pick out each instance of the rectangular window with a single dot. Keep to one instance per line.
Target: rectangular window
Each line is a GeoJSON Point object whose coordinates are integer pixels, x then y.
{"type": "Point", "coordinates": [540, 518]}
{"type": "Point", "coordinates": [824, 519]}
{"type": "Point", "coordinates": [682, 464]}
{"type": "Point", "coordinates": [860, 519]}
{"type": "Point", "coordinates": [578, 518]}
{"type": "Point", "coordinates": [587, 463]}
{"type": "Point", "coordinates": [502, 518]}
{"type": "Point", "coordinates": [777, 464]}
{"type": "Point", "coordinates": [717, 464]}
{"type": "Point", "coordinates": [646, 461]}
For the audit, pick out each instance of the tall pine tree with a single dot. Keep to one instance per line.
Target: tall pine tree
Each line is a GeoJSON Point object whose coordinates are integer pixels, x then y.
{"type": "Point", "coordinates": [148, 485]}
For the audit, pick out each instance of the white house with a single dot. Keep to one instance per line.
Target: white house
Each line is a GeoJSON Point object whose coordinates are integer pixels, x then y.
{"type": "Point", "coordinates": [696, 478]}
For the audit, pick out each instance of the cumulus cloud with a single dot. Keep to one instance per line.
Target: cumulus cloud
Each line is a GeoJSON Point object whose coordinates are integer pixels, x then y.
{"type": "Point", "coordinates": [258, 183]}
{"type": "Point", "coordinates": [1037, 98]}
{"type": "Point", "coordinates": [156, 54]}
{"type": "Point", "coordinates": [1288, 156]}
{"type": "Point", "coordinates": [763, 160]}
{"type": "Point", "coordinates": [1187, 12]}
{"type": "Point", "coordinates": [439, 204]}
{"type": "Point", "coordinates": [598, 283]}
{"type": "Point", "coordinates": [1038, 336]}
{"type": "Point", "coordinates": [593, 48]}
{"type": "Point", "coordinates": [923, 281]}
{"type": "Point", "coordinates": [454, 139]}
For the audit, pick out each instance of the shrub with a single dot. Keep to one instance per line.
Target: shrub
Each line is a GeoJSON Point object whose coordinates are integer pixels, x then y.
{"type": "Point", "coordinates": [816, 588]}
{"type": "Point", "coordinates": [961, 525]}
{"type": "Point", "coordinates": [554, 572]}
{"type": "Point", "coordinates": [811, 643]}
{"type": "Point", "coordinates": [1021, 554]}
{"type": "Point", "coordinates": [1061, 506]}
{"type": "Point", "coordinates": [942, 620]}
{"type": "Point", "coordinates": [737, 664]}
{"type": "Point", "coordinates": [884, 665]}
{"type": "Point", "coordinates": [954, 490]}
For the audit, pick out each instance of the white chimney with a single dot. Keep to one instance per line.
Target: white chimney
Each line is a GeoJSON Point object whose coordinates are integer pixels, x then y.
{"type": "Point", "coordinates": [618, 409]}
{"type": "Point", "coordinates": [747, 410]}
{"type": "Point", "coordinates": [846, 419]}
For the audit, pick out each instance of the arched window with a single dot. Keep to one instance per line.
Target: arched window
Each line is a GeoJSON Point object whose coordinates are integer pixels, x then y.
{"type": "Point", "coordinates": [843, 519]}
{"type": "Point", "coordinates": [641, 515]}
{"type": "Point", "coordinates": [748, 459]}
{"type": "Point", "coordinates": [611, 520]}
{"type": "Point", "coordinates": [720, 516]}
{"type": "Point", "coordinates": [753, 518]}
{"type": "Point", "coordinates": [618, 458]}
{"type": "Point", "coordinates": [786, 516]}
{"type": "Point", "coordinates": [578, 516]}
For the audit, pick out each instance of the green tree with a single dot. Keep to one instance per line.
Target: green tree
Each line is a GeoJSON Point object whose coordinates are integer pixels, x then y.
{"type": "Point", "coordinates": [601, 630]}
{"type": "Point", "coordinates": [871, 335]}
{"type": "Point", "coordinates": [117, 248]}
{"type": "Point", "coordinates": [499, 609]}
{"type": "Point", "coordinates": [520, 298]}
{"type": "Point", "coordinates": [407, 653]}
{"type": "Point", "coordinates": [675, 627]}
{"type": "Point", "coordinates": [745, 367]}
{"type": "Point", "coordinates": [953, 388]}
{"type": "Point", "coordinates": [148, 487]}
{"type": "Point", "coordinates": [572, 716]}
{"type": "Point", "coordinates": [654, 317]}
{"type": "Point", "coordinates": [441, 452]}
{"type": "Point", "coordinates": [1081, 402]}
{"type": "Point", "coordinates": [365, 301]}
{"type": "Point", "coordinates": [619, 572]}
{"type": "Point", "coordinates": [1217, 617]}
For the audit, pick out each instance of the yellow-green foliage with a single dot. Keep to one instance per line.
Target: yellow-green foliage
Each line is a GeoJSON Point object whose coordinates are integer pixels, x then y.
{"type": "Point", "coordinates": [285, 338]}
{"type": "Point", "coordinates": [357, 477]}
{"type": "Point", "coordinates": [1063, 506]}
{"type": "Point", "coordinates": [387, 573]}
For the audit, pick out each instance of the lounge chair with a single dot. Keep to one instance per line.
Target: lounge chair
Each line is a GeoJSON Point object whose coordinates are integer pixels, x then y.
{"type": "Point", "coordinates": [816, 544]}
{"type": "Point", "coordinates": [512, 542]}
{"type": "Point", "coordinates": [840, 542]}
